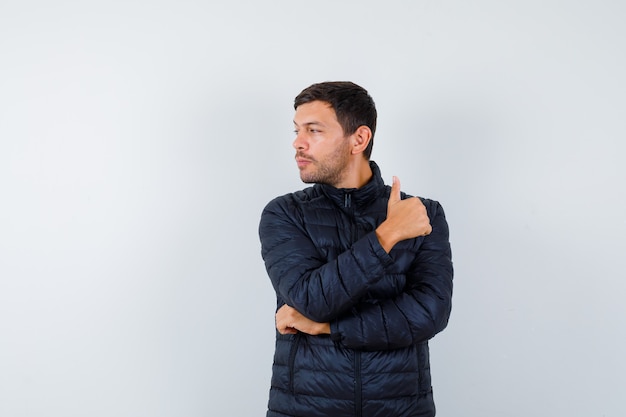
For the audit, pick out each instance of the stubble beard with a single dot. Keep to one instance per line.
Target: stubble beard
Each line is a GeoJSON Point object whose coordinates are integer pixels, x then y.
{"type": "Point", "coordinates": [331, 171]}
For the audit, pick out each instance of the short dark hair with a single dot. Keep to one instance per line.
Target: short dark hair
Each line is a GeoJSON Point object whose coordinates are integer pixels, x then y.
{"type": "Point", "coordinates": [353, 106]}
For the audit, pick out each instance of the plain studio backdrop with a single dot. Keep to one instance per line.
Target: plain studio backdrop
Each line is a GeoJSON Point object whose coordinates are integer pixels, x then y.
{"type": "Point", "coordinates": [140, 140]}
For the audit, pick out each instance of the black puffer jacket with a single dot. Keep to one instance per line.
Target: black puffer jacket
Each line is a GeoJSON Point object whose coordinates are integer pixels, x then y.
{"type": "Point", "coordinates": [323, 257]}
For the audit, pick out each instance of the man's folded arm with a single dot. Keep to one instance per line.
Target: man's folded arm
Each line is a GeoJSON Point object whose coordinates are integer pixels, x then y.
{"type": "Point", "coordinates": [302, 278]}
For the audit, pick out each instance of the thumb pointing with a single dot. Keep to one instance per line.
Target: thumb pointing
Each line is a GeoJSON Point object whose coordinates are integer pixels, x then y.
{"type": "Point", "coordinates": [395, 190]}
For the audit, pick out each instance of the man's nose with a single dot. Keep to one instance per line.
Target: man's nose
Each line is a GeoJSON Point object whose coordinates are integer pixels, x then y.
{"type": "Point", "coordinates": [299, 142]}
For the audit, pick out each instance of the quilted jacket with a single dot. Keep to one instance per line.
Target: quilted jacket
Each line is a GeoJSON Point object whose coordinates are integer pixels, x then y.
{"type": "Point", "coordinates": [323, 258]}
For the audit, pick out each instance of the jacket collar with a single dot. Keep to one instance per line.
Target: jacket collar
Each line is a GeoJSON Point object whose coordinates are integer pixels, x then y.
{"type": "Point", "coordinates": [356, 197]}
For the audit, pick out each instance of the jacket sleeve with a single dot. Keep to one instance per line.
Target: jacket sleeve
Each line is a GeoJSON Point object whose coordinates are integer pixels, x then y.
{"type": "Point", "coordinates": [301, 276]}
{"type": "Point", "coordinates": [413, 316]}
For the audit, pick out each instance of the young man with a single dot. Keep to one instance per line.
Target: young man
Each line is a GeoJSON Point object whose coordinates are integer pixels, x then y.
{"type": "Point", "coordinates": [362, 272]}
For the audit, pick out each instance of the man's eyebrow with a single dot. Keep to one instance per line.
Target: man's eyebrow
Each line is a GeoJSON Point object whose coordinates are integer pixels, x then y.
{"type": "Point", "coordinates": [309, 123]}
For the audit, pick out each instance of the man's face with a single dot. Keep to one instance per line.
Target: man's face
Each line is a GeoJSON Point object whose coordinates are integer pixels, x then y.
{"type": "Point", "coordinates": [322, 149]}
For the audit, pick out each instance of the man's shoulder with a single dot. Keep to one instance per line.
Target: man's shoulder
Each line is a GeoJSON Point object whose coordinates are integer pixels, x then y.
{"type": "Point", "coordinates": [293, 203]}
{"type": "Point", "coordinates": [289, 209]}
{"type": "Point", "coordinates": [295, 198]}
{"type": "Point", "coordinates": [432, 206]}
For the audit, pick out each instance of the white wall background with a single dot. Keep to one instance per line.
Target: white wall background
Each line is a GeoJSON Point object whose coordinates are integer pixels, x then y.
{"type": "Point", "coordinates": [140, 140]}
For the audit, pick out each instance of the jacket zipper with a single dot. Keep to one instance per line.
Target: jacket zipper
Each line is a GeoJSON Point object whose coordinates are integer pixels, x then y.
{"type": "Point", "coordinates": [358, 395]}
{"type": "Point", "coordinates": [358, 407]}
{"type": "Point", "coordinates": [292, 360]}
{"type": "Point", "coordinates": [347, 203]}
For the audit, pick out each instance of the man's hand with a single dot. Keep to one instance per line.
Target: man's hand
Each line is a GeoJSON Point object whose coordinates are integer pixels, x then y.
{"type": "Point", "coordinates": [406, 219]}
{"type": "Point", "coordinates": [290, 321]}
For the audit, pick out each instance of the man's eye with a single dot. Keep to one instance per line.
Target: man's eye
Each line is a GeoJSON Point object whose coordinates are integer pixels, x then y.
{"type": "Point", "coordinates": [314, 131]}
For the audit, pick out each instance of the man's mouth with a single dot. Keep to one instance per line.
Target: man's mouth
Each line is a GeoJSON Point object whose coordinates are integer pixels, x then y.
{"type": "Point", "coordinates": [303, 161]}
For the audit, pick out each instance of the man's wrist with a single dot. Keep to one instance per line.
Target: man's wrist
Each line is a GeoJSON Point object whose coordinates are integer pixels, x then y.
{"type": "Point", "coordinates": [385, 237]}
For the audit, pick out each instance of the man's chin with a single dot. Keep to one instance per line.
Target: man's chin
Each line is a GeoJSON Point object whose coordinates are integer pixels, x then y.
{"type": "Point", "coordinates": [307, 180]}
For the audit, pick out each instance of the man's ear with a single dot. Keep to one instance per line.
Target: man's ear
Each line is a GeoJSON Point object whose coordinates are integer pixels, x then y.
{"type": "Point", "coordinates": [360, 139]}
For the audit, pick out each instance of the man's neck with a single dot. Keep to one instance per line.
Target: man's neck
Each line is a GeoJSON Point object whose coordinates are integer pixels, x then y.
{"type": "Point", "coordinates": [358, 173]}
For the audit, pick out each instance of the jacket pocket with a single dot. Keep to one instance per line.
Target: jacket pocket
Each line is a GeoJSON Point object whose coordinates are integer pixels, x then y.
{"type": "Point", "coordinates": [423, 363]}
{"type": "Point", "coordinates": [292, 360]}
